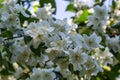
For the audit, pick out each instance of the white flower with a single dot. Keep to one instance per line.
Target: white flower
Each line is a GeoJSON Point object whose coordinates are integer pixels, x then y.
{"type": "Point", "coordinates": [93, 41]}
{"type": "Point", "coordinates": [79, 3]}
{"type": "Point", "coordinates": [93, 71]}
{"type": "Point", "coordinates": [36, 75]}
{"type": "Point", "coordinates": [42, 74]}
{"type": "Point", "coordinates": [53, 52]}
{"type": "Point", "coordinates": [88, 42]}
{"type": "Point", "coordinates": [39, 31]}
{"type": "Point", "coordinates": [45, 26]}
{"type": "Point", "coordinates": [96, 22]}
{"type": "Point", "coordinates": [80, 41]}
{"type": "Point", "coordinates": [67, 74]}
{"type": "Point", "coordinates": [20, 52]}
{"type": "Point", "coordinates": [47, 74]}
{"type": "Point", "coordinates": [5, 15]}
{"type": "Point", "coordinates": [101, 12]}
{"type": "Point", "coordinates": [102, 54]}
{"type": "Point", "coordinates": [58, 24]}
{"type": "Point", "coordinates": [77, 57]}
{"type": "Point", "coordinates": [113, 43]}
{"type": "Point", "coordinates": [45, 12]}
{"type": "Point", "coordinates": [89, 64]}
{"type": "Point", "coordinates": [20, 8]}
{"type": "Point", "coordinates": [61, 41]}
{"type": "Point", "coordinates": [99, 18]}
{"type": "Point", "coordinates": [18, 73]}
{"type": "Point", "coordinates": [105, 57]}
{"type": "Point", "coordinates": [62, 63]}
{"type": "Point", "coordinates": [70, 26]}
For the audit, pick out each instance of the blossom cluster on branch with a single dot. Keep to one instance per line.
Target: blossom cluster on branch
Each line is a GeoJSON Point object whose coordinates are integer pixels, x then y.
{"type": "Point", "coordinates": [52, 49]}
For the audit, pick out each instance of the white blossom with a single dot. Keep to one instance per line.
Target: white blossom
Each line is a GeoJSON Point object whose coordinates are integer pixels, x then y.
{"type": "Point", "coordinates": [42, 74]}
{"type": "Point", "coordinates": [101, 12]}
{"type": "Point", "coordinates": [113, 43]}
{"type": "Point", "coordinates": [77, 57]}
{"type": "Point", "coordinates": [45, 12]}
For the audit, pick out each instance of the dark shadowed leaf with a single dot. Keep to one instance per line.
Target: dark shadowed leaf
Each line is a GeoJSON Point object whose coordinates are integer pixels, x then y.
{"type": "Point", "coordinates": [27, 39]}
{"type": "Point", "coordinates": [70, 67]}
{"type": "Point", "coordinates": [0, 60]}
{"type": "Point", "coordinates": [41, 48]}
{"type": "Point", "coordinates": [7, 34]}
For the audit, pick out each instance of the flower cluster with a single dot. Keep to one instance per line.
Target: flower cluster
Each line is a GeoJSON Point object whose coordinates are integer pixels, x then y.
{"type": "Point", "coordinates": [99, 19]}
{"type": "Point", "coordinates": [52, 49]}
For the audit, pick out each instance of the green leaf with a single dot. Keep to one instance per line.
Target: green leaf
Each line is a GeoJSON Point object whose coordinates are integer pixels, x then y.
{"type": "Point", "coordinates": [41, 49]}
{"type": "Point", "coordinates": [70, 7]}
{"type": "Point", "coordinates": [5, 72]}
{"type": "Point", "coordinates": [32, 19]}
{"type": "Point", "coordinates": [27, 39]}
{"type": "Point", "coordinates": [58, 75]}
{"type": "Point", "coordinates": [53, 3]}
{"type": "Point", "coordinates": [1, 5]}
{"type": "Point", "coordinates": [116, 54]}
{"type": "Point", "coordinates": [117, 25]}
{"type": "Point", "coordinates": [85, 30]}
{"type": "Point", "coordinates": [23, 18]}
{"type": "Point", "coordinates": [1, 1]}
{"type": "Point", "coordinates": [0, 60]}
{"type": "Point", "coordinates": [35, 7]}
{"type": "Point", "coordinates": [9, 54]}
{"type": "Point", "coordinates": [96, 0]}
{"type": "Point", "coordinates": [82, 17]}
{"type": "Point", "coordinates": [9, 69]}
{"type": "Point", "coordinates": [114, 5]}
{"type": "Point", "coordinates": [7, 34]}
{"type": "Point", "coordinates": [70, 67]}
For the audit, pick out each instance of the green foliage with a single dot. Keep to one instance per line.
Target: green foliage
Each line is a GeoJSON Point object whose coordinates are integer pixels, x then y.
{"type": "Point", "coordinates": [7, 33]}
{"type": "Point", "coordinates": [1, 1]}
{"type": "Point", "coordinates": [116, 54]}
{"type": "Point", "coordinates": [32, 19]}
{"type": "Point", "coordinates": [58, 75]}
{"type": "Point", "coordinates": [53, 3]}
{"type": "Point", "coordinates": [70, 7]}
{"type": "Point", "coordinates": [108, 74]}
{"type": "Point", "coordinates": [1, 5]}
{"type": "Point", "coordinates": [27, 39]}
{"type": "Point", "coordinates": [8, 70]}
{"type": "Point", "coordinates": [114, 4]}
{"type": "Point", "coordinates": [82, 17]}
{"type": "Point", "coordinates": [70, 67]}
{"type": "Point", "coordinates": [41, 49]}
{"type": "Point", "coordinates": [85, 30]}
{"type": "Point", "coordinates": [0, 59]}
{"type": "Point", "coordinates": [23, 18]}
{"type": "Point", "coordinates": [6, 49]}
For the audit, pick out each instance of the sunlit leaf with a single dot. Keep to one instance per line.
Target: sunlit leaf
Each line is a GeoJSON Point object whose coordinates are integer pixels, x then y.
{"type": "Point", "coordinates": [1, 1]}
{"type": "Point", "coordinates": [82, 17]}
{"type": "Point", "coordinates": [70, 7]}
